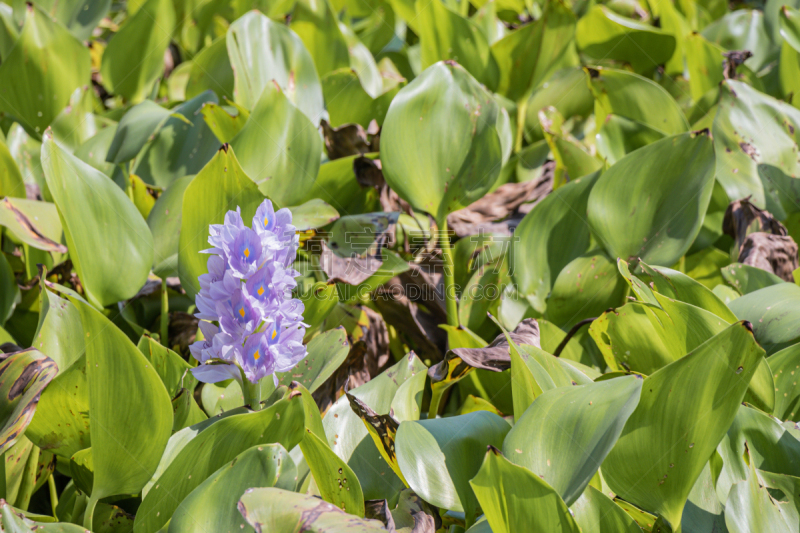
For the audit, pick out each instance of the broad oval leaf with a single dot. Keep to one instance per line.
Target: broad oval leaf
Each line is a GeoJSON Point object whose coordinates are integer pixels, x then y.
{"type": "Point", "coordinates": [438, 457]}
{"type": "Point", "coordinates": [212, 505]}
{"type": "Point", "coordinates": [263, 52]}
{"type": "Point", "coordinates": [279, 148]}
{"type": "Point", "coordinates": [581, 423]}
{"type": "Point", "coordinates": [109, 241]}
{"type": "Point", "coordinates": [655, 219]}
{"type": "Point", "coordinates": [451, 124]}
{"type": "Point", "coordinates": [46, 65]}
{"type": "Point", "coordinates": [669, 437]}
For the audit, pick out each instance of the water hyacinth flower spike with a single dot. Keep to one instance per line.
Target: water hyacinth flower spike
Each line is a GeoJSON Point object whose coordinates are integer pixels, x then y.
{"type": "Point", "coordinates": [247, 292]}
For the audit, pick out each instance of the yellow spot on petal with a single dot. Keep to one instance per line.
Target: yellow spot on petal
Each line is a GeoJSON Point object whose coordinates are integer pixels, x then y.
{"type": "Point", "coordinates": [241, 312]}
{"type": "Point", "coordinates": [274, 333]}
{"type": "Point", "coordinates": [260, 291]}
{"type": "Point", "coordinates": [266, 222]}
{"type": "Point", "coordinates": [256, 356]}
{"type": "Point", "coordinates": [247, 252]}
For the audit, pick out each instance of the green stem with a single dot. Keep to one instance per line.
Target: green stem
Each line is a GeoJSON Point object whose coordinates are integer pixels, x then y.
{"type": "Point", "coordinates": [464, 8]}
{"type": "Point", "coordinates": [252, 394]}
{"type": "Point", "coordinates": [449, 276]}
{"type": "Point", "coordinates": [89, 513]}
{"type": "Point", "coordinates": [51, 484]}
{"type": "Point", "coordinates": [522, 111]}
{"type": "Point", "coordinates": [436, 397]}
{"type": "Point", "coordinates": [164, 313]}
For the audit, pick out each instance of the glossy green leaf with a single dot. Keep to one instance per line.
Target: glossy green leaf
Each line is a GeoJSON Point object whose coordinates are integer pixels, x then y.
{"type": "Point", "coordinates": [550, 237]}
{"type": "Point", "coordinates": [446, 173]}
{"type": "Point", "coordinates": [279, 148]}
{"type": "Point", "coordinates": [225, 121]}
{"type": "Point", "coordinates": [762, 166]}
{"type": "Point", "coordinates": [211, 69]}
{"type": "Point", "coordinates": [273, 509]}
{"type": "Point", "coordinates": [134, 57]}
{"type": "Point", "coordinates": [164, 221]}
{"type": "Point", "coordinates": [349, 103]}
{"type": "Point", "coordinates": [264, 53]}
{"type": "Point", "coordinates": [135, 128]}
{"type": "Point", "coordinates": [47, 64]}
{"type": "Point", "coordinates": [221, 186]}
{"type": "Point", "coordinates": [634, 97]}
{"type": "Point", "coordinates": [785, 367]}
{"type": "Point", "coordinates": [11, 184]}
{"type": "Point", "coordinates": [173, 370]}
{"type": "Point", "coordinates": [207, 451]}
{"type": "Point", "coordinates": [181, 145]}
{"type": "Point", "coordinates": [439, 457]}
{"type": "Point", "coordinates": [581, 423]}
{"type": "Point", "coordinates": [619, 136]}
{"type": "Point", "coordinates": [447, 36]}
{"type": "Point", "coordinates": [603, 34]}
{"type": "Point", "coordinates": [317, 26]}
{"type": "Point", "coordinates": [326, 352]}
{"type": "Point", "coordinates": [746, 279]}
{"type": "Point", "coordinates": [515, 499]}
{"type": "Point", "coordinates": [661, 218]}
{"type": "Point", "coordinates": [136, 432]}
{"type": "Point", "coordinates": [773, 311]}
{"type": "Point", "coordinates": [648, 466]}
{"type": "Point", "coordinates": [212, 505]}
{"type": "Point", "coordinates": [95, 213]}
{"type": "Point", "coordinates": [594, 512]}
{"type": "Point", "coordinates": [335, 480]}
{"type": "Point", "coordinates": [550, 36]}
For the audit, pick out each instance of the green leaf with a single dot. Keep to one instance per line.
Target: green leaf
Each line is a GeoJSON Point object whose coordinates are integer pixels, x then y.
{"type": "Point", "coordinates": [185, 411]}
{"type": "Point", "coordinates": [224, 121]}
{"type": "Point", "coordinates": [164, 221]}
{"type": "Point", "coordinates": [121, 430]}
{"type": "Point", "coordinates": [746, 279]}
{"type": "Point", "coordinates": [550, 36]}
{"type": "Point", "coordinates": [326, 352]}
{"type": "Point", "coordinates": [14, 521]}
{"type": "Point", "coordinates": [761, 166]}
{"type": "Point", "coordinates": [751, 508]}
{"type": "Point", "coordinates": [279, 148]}
{"type": "Point", "coordinates": [173, 370]}
{"type": "Point", "coordinates": [212, 505]}
{"type": "Point", "coordinates": [619, 136]}
{"type": "Point", "coordinates": [211, 70]}
{"type": "Point", "coordinates": [317, 26]}
{"type": "Point", "coordinates": [272, 509]}
{"type": "Point", "coordinates": [515, 499]}
{"type": "Point", "coordinates": [774, 313]}
{"type": "Point", "coordinates": [647, 466]}
{"type": "Point", "coordinates": [438, 457]}
{"type": "Point", "coordinates": [135, 128]}
{"type": "Point", "coordinates": [634, 97]}
{"type": "Point", "coordinates": [264, 53]}
{"type": "Point", "coordinates": [549, 238]}
{"type": "Point", "coordinates": [661, 219]}
{"type": "Point", "coordinates": [581, 423]}
{"type": "Point", "coordinates": [349, 103]}
{"type": "Point", "coordinates": [337, 483]}
{"type": "Point", "coordinates": [447, 36]}
{"type": "Point", "coordinates": [134, 57]}
{"type": "Point", "coordinates": [217, 443]}
{"type": "Point", "coordinates": [603, 34]}
{"type": "Point", "coordinates": [181, 145]}
{"type": "Point", "coordinates": [25, 376]}
{"type": "Point", "coordinates": [447, 173]}
{"type": "Point", "coordinates": [348, 435]}
{"type": "Point", "coordinates": [219, 187]}
{"type": "Point", "coordinates": [97, 215]}
{"type": "Point", "coordinates": [594, 512]}
{"type": "Point", "coordinates": [785, 367]}
{"type": "Point", "coordinates": [585, 287]}
{"type": "Point", "coordinates": [11, 183]}
{"type": "Point", "coordinates": [47, 64]}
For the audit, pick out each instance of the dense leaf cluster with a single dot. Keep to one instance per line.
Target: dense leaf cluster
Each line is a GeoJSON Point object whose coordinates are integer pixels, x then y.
{"type": "Point", "coordinates": [547, 258]}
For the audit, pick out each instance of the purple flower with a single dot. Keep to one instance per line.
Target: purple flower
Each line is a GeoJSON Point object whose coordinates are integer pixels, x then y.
{"type": "Point", "coordinates": [247, 291]}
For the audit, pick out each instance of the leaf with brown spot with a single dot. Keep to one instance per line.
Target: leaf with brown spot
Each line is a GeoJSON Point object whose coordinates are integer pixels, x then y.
{"type": "Point", "coordinates": [15, 214]}
{"type": "Point", "coordinates": [270, 509]}
{"type": "Point", "coordinates": [382, 429]}
{"type": "Point", "coordinates": [773, 253]}
{"type": "Point", "coordinates": [23, 377]}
